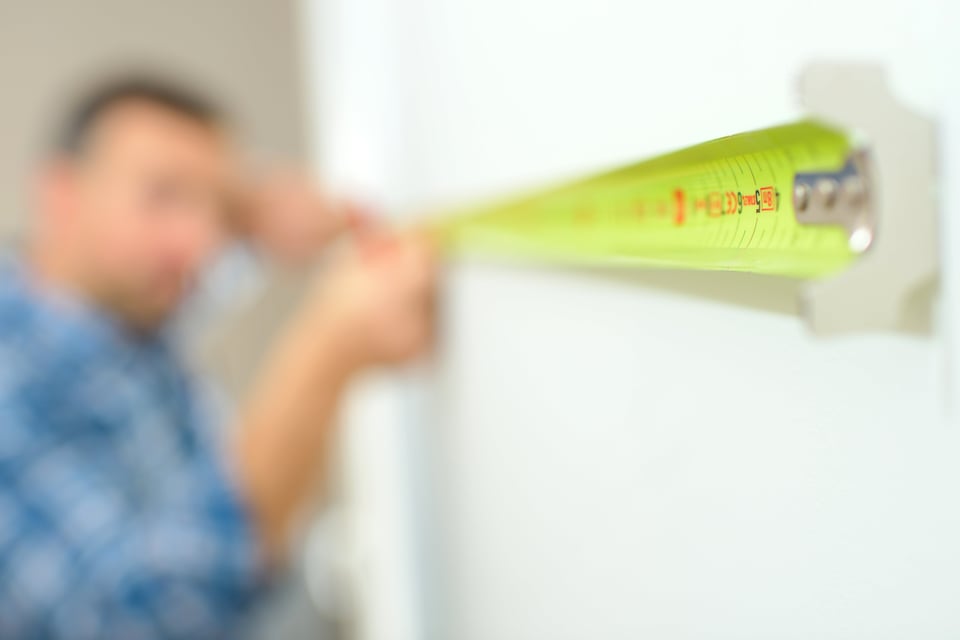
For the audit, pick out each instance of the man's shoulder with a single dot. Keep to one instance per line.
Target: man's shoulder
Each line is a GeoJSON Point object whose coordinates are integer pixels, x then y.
{"type": "Point", "coordinates": [25, 327]}
{"type": "Point", "coordinates": [41, 343]}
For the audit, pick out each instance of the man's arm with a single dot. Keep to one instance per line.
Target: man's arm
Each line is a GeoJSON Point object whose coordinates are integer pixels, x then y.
{"type": "Point", "coordinates": [374, 308]}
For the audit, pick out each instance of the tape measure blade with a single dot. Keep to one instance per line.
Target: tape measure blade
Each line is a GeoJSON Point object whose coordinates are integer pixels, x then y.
{"type": "Point", "coordinates": [726, 204]}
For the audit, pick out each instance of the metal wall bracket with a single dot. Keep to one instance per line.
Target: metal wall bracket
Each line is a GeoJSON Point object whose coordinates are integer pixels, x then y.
{"type": "Point", "coordinates": [903, 254]}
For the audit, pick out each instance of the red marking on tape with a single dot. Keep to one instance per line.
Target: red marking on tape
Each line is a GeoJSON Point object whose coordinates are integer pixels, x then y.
{"type": "Point", "coordinates": [731, 202]}
{"type": "Point", "coordinates": [767, 201]}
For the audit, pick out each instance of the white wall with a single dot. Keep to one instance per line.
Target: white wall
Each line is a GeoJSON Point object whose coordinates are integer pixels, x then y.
{"type": "Point", "coordinates": [657, 456]}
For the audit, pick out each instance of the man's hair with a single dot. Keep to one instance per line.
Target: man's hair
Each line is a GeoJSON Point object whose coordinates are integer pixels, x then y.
{"type": "Point", "coordinates": [74, 131]}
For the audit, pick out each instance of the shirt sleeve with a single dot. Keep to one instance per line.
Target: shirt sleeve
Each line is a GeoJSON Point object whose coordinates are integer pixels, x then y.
{"type": "Point", "coordinates": [80, 559]}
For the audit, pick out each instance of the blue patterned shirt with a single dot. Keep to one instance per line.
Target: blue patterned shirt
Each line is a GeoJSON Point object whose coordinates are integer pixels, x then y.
{"type": "Point", "coordinates": [118, 519]}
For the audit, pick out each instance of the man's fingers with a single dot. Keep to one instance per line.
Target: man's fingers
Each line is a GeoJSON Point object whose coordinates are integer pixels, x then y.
{"type": "Point", "coordinates": [358, 217]}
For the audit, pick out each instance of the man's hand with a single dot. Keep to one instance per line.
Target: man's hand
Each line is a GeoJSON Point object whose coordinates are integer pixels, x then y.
{"type": "Point", "coordinates": [373, 308]}
{"type": "Point", "coordinates": [378, 300]}
{"type": "Point", "coordinates": [284, 214]}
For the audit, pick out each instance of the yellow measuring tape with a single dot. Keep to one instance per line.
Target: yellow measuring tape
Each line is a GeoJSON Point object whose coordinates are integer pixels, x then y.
{"type": "Point", "coordinates": [758, 201]}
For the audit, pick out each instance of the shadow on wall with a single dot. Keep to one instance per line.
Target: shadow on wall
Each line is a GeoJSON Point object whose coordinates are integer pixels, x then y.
{"type": "Point", "coordinates": [772, 294]}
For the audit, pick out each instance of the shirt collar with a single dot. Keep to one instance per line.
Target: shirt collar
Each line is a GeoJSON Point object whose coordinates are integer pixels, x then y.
{"type": "Point", "coordinates": [69, 311]}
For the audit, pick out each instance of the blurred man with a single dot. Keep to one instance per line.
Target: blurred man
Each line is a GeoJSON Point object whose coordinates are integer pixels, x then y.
{"type": "Point", "coordinates": [122, 514]}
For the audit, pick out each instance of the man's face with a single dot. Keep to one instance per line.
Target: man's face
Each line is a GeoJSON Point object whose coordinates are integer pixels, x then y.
{"type": "Point", "coordinates": [142, 209]}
